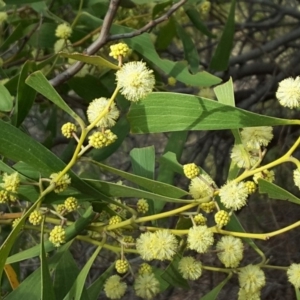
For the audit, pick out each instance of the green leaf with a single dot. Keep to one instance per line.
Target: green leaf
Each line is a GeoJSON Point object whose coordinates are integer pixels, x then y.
{"type": "Point", "coordinates": [20, 2]}
{"type": "Point", "coordinates": [189, 48]}
{"type": "Point", "coordinates": [165, 35]}
{"type": "Point", "coordinates": [171, 161]}
{"type": "Point", "coordinates": [6, 101]}
{"type": "Point", "coordinates": [65, 274]}
{"type": "Point", "coordinates": [26, 95]}
{"type": "Point", "coordinates": [78, 285]}
{"type": "Point", "coordinates": [276, 192]}
{"type": "Point", "coordinates": [96, 287]}
{"type": "Point", "coordinates": [176, 142]}
{"type": "Point", "coordinates": [47, 291]}
{"type": "Point", "coordinates": [13, 36]}
{"type": "Point", "coordinates": [297, 292]}
{"type": "Point", "coordinates": [17, 146]}
{"type": "Point", "coordinates": [40, 83]}
{"type": "Point", "coordinates": [213, 294]}
{"type": "Point", "coordinates": [172, 275]}
{"type": "Point", "coordinates": [71, 232]}
{"type": "Point", "coordinates": [90, 59]}
{"type": "Point", "coordinates": [150, 185]}
{"type": "Point", "coordinates": [117, 190]}
{"type": "Point", "coordinates": [221, 56]}
{"type": "Point", "coordinates": [143, 45]}
{"type": "Point", "coordinates": [163, 112]}
{"type": "Point", "coordinates": [10, 240]}
{"type": "Point", "coordinates": [143, 161]}
{"type": "Point", "coordinates": [30, 288]}
{"type": "Point", "coordinates": [195, 18]}
{"type": "Point", "coordinates": [225, 93]}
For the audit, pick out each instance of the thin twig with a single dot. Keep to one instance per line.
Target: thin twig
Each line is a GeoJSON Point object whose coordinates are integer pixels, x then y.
{"type": "Point", "coordinates": [93, 48]}
{"type": "Point", "coordinates": [150, 25]}
{"type": "Point", "coordinates": [104, 37]}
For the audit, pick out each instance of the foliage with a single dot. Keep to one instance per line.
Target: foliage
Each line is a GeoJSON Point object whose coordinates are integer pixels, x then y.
{"type": "Point", "coordinates": [78, 79]}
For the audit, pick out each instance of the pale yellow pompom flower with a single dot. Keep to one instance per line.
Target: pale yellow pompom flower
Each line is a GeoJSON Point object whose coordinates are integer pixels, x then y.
{"type": "Point", "coordinates": [190, 268]}
{"type": "Point", "coordinates": [63, 31]}
{"type": "Point", "coordinates": [145, 245]}
{"type": "Point", "coordinates": [265, 174]}
{"type": "Point", "coordinates": [166, 245]}
{"type": "Point", "coordinates": [96, 107]}
{"type": "Point", "coordinates": [296, 177]}
{"type": "Point", "coordinates": [233, 195]}
{"type": "Point", "coordinates": [114, 288]}
{"type": "Point", "coordinates": [251, 278]}
{"type": "Point", "coordinates": [135, 80]}
{"type": "Point", "coordinates": [200, 238]}
{"type": "Point", "coordinates": [201, 187]}
{"type": "Point", "coordinates": [288, 92]}
{"type": "Point", "coordinates": [293, 274]}
{"type": "Point", "coordinates": [62, 184]}
{"type": "Point", "coordinates": [161, 245]}
{"type": "Point", "coordinates": [243, 295]}
{"type": "Point", "coordinates": [146, 286]}
{"type": "Point", "coordinates": [255, 137]}
{"type": "Point", "coordinates": [230, 251]}
{"type": "Point", "coordinates": [244, 158]}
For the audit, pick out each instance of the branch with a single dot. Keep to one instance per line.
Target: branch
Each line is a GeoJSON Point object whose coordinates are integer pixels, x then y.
{"type": "Point", "coordinates": [93, 48]}
{"type": "Point", "coordinates": [268, 47]}
{"type": "Point", "coordinates": [150, 25]}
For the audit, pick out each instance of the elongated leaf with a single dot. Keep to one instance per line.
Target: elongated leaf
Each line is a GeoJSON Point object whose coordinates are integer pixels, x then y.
{"type": "Point", "coordinates": [165, 35]}
{"type": "Point", "coordinates": [195, 18]}
{"type": "Point", "coordinates": [189, 48]}
{"type": "Point", "coordinates": [213, 294]}
{"type": "Point", "coordinates": [13, 36]}
{"type": "Point", "coordinates": [20, 2]}
{"type": "Point", "coordinates": [172, 275]}
{"type": "Point", "coordinates": [176, 142]}
{"type": "Point", "coordinates": [171, 161]}
{"type": "Point", "coordinates": [47, 292]}
{"type": "Point", "coordinates": [96, 287]}
{"type": "Point", "coordinates": [276, 192]}
{"type": "Point", "coordinates": [40, 83]}
{"type": "Point", "coordinates": [10, 240]}
{"type": "Point", "coordinates": [91, 59]}
{"type": "Point", "coordinates": [17, 146]}
{"type": "Point", "coordinates": [225, 93]}
{"type": "Point", "coordinates": [143, 161]}
{"type": "Point", "coordinates": [6, 100]}
{"type": "Point", "coordinates": [117, 190]}
{"type": "Point", "coordinates": [148, 184]}
{"type": "Point", "coordinates": [25, 95]}
{"type": "Point", "coordinates": [71, 232]}
{"type": "Point", "coordinates": [221, 57]}
{"type": "Point", "coordinates": [297, 292]}
{"type": "Point", "coordinates": [143, 45]}
{"type": "Point", "coordinates": [11, 276]}
{"type": "Point", "coordinates": [30, 288]}
{"type": "Point", "coordinates": [65, 274]}
{"type": "Point", "coordinates": [78, 285]}
{"type": "Point", "coordinates": [163, 112]}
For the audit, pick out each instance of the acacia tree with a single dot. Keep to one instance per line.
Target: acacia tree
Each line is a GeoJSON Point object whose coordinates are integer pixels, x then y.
{"type": "Point", "coordinates": [85, 86]}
